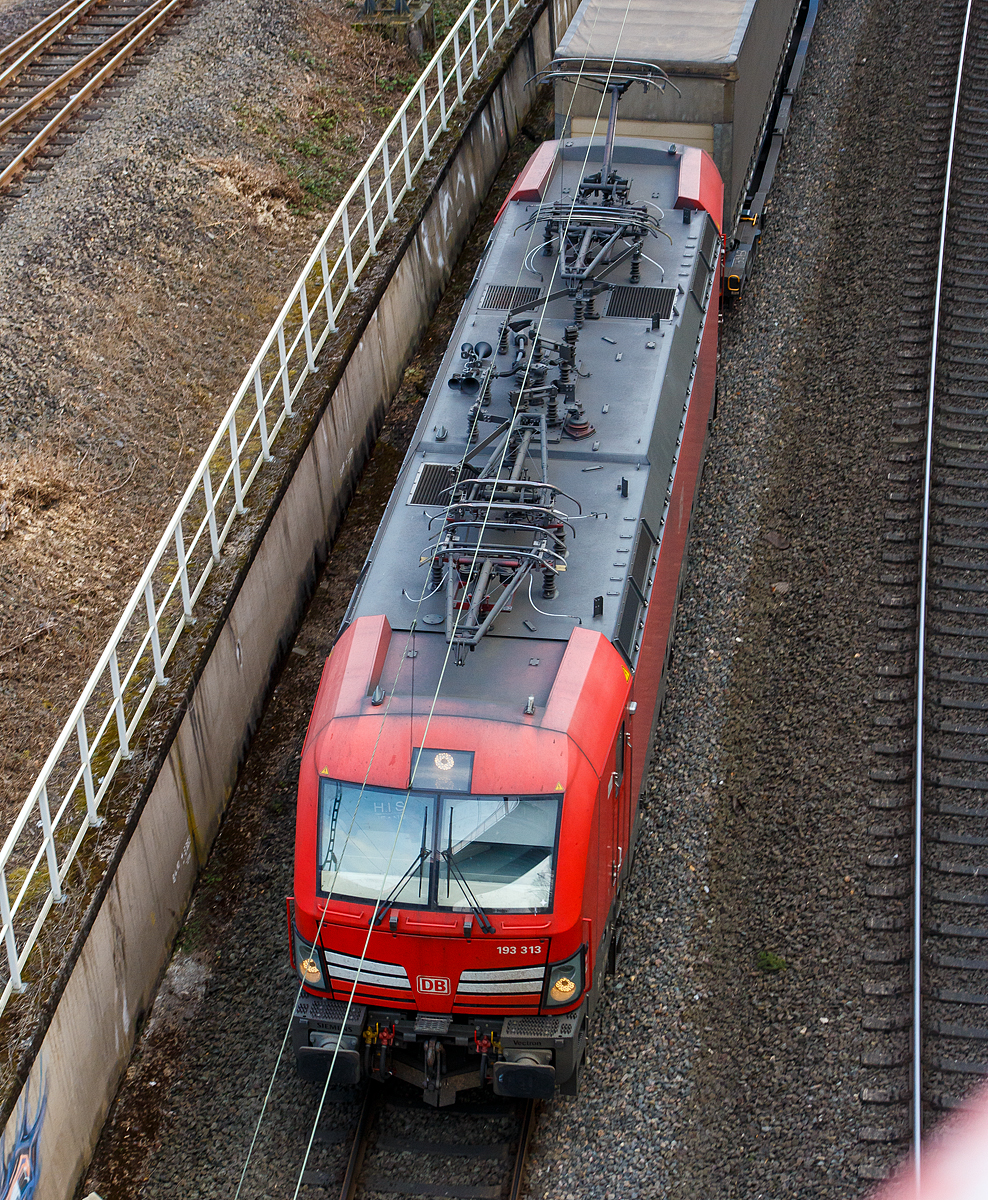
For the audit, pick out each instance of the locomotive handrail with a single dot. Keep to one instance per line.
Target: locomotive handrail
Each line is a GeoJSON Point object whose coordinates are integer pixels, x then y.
{"type": "Point", "coordinates": [67, 798]}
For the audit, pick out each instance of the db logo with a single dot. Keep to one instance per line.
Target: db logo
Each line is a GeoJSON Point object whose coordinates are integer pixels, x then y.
{"type": "Point", "coordinates": [434, 984]}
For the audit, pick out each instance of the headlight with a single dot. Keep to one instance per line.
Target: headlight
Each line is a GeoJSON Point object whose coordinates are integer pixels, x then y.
{"type": "Point", "coordinates": [564, 981]}
{"type": "Point", "coordinates": [308, 965]}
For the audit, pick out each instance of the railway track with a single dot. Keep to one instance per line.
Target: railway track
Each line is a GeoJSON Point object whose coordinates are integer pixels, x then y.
{"type": "Point", "coordinates": [50, 75]}
{"type": "Point", "coordinates": [926, 982]}
{"type": "Point", "coordinates": [398, 1146]}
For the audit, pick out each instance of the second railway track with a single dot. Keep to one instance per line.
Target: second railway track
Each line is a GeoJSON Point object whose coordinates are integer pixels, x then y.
{"type": "Point", "coordinates": [929, 928]}
{"type": "Point", "coordinates": [52, 72]}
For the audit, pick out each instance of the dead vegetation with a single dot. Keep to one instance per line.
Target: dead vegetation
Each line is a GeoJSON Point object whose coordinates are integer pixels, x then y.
{"type": "Point", "coordinates": [68, 555]}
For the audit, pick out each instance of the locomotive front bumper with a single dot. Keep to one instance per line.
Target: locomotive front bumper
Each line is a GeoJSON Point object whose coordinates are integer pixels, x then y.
{"type": "Point", "coordinates": [527, 1057]}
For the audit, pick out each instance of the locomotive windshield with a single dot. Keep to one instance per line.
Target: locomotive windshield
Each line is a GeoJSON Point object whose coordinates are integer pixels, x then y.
{"type": "Point", "coordinates": [434, 850]}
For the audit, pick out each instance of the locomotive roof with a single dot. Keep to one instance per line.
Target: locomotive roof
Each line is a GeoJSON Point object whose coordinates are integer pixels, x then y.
{"type": "Point", "coordinates": [624, 365]}
{"type": "Point", "coordinates": [659, 31]}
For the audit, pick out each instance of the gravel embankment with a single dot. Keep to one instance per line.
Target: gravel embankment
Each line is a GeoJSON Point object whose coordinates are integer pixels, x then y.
{"type": "Point", "coordinates": [710, 1076]}
{"type": "Point", "coordinates": [137, 282]}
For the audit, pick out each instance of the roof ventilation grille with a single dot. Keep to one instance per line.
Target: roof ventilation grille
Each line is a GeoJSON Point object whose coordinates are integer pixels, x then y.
{"type": "Point", "coordinates": [432, 484]}
{"type": "Point", "coordinates": [654, 303]}
{"type": "Point", "coordinates": [507, 295]}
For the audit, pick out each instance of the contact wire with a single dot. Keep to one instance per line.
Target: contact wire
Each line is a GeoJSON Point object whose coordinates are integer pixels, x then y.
{"type": "Point", "coordinates": [424, 735]}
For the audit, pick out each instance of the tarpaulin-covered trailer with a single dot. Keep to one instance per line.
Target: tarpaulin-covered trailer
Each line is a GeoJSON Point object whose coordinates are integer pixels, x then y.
{"type": "Point", "coordinates": [725, 57]}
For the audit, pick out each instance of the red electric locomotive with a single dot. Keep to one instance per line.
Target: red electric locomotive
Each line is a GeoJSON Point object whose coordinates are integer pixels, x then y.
{"type": "Point", "coordinates": [470, 779]}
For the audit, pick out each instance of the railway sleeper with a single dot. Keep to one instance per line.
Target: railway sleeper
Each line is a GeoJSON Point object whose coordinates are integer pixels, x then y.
{"type": "Point", "coordinates": [949, 996]}
{"type": "Point", "coordinates": [890, 803]}
{"type": "Point", "coordinates": [889, 862]}
{"type": "Point", "coordinates": [885, 1058]}
{"type": "Point", "coordinates": [958, 782]}
{"type": "Point", "coordinates": [964, 899]}
{"type": "Point", "coordinates": [958, 839]}
{"type": "Point", "coordinates": [891, 831]}
{"type": "Point", "coordinates": [944, 1102]}
{"type": "Point", "coordinates": [887, 923]}
{"type": "Point", "coordinates": [949, 809]}
{"type": "Point", "coordinates": [953, 963]}
{"type": "Point", "coordinates": [956, 1066]}
{"type": "Point", "coordinates": [943, 929]}
{"type": "Point", "coordinates": [950, 1029]}
{"type": "Point", "coordinates": [889, 957]}
{"type": "Point", "coordinates": [891, 624]}
{"type": "Point", "coordinates": [889, 891]}
{"type": "Point", "coordinates": [887, 1024]}
{"type": "Point", "coordinates": [889, 721]}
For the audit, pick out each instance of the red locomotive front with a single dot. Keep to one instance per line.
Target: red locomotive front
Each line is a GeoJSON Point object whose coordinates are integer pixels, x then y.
{"type": "Point", "coordinates": [448, 932]}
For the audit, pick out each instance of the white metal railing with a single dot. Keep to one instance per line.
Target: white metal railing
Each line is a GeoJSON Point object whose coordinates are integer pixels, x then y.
{"type": "Point", "coordinates": [64, 803]}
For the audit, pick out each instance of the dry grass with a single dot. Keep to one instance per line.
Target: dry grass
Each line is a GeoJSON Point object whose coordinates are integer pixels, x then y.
{"type": "Point", "coordinates": [262, 186]}
{"type": "Point", "coordinates": [67, 559]}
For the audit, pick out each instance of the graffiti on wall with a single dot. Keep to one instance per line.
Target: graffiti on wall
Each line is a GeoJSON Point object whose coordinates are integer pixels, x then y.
{"type": "Point", "coordinates": [20, 1165]}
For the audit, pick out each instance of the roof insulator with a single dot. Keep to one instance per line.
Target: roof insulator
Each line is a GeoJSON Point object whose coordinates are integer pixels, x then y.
{"type": "Point", "coordinates": [378, 696]}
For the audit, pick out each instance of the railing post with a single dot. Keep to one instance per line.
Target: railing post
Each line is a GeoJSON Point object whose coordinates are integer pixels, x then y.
{"type": "Point", "coordinates": [87, 771]}
{"type": "Point", "coordinates": [442, 95]}
{"type": "Point", "coordinates": [507, 14]}
{"type": "Point", "coordinates": [348, 251]}
{"type": "Point", "coordinates": [262, 416]}
{"type": "Point", "coordinates": [53, 879]}
{"type": "Point", "coordinates": [330, 315]}
{"type": "Point", "coordinates": [405, 151]}
{"type": "Point", "coordinates": [16, 983]}
{"type": "Point", "coordinates": [214, 541]}
{"type": "Point", "coordinates": [458, 60]}
{"type": "Point", "coordinates": [238, 490]}
{"type": "Point", "coordinates": [426, 152]}
{"type": "Point", "coordinates": [306, 326]}
{"type": "Point", "coordinates": [389, 196]}
{"type": "Point", "coordinates": [490, 24]}
{"type": "Point", "coordinates": [159, 666]}
{"type": "Point", "coordinates": [183, 574]}
{"type": "Point", "coordinates": [286, 383]}
{"type": "Point", "coordinates": [473, 41]}
{"type": "Point", "coordinates": [369, 209]}
{"type": "Point", "coordinates": [118, 704]}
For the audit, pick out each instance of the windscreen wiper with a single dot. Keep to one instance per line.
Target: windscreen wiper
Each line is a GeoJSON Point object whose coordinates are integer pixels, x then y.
{"type": "Point", "coordinates": [482, 917]}
{"type": "Point", "coordinates": [392, 896]}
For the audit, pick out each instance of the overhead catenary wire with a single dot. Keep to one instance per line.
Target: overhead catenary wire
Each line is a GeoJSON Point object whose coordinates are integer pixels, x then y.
{"type": "Point", "coordinates": [449, 648]}
{"type": "Point", "coordinates": [424, 738]}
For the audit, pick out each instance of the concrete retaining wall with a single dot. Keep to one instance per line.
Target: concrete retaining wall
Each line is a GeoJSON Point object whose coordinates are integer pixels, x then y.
{"type": "Point", "coordinates": [117, 961]}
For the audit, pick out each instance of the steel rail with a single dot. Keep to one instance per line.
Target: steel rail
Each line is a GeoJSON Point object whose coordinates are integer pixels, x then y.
{"type": "Point", "coordinates": [39, 99]}
{"type": "Point", "coordinates": [368, 1107]}
{"type": "Point", "coordinates": [521, 1153]}
{"type": "Point", "coordinates": [143, 32]}
{"type": "Point", "coordinates": [36, 30]}
{"type": "Point", "coordinates": [916, 1033]}
{"type": "Point", "coordinates": [42, 35]}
